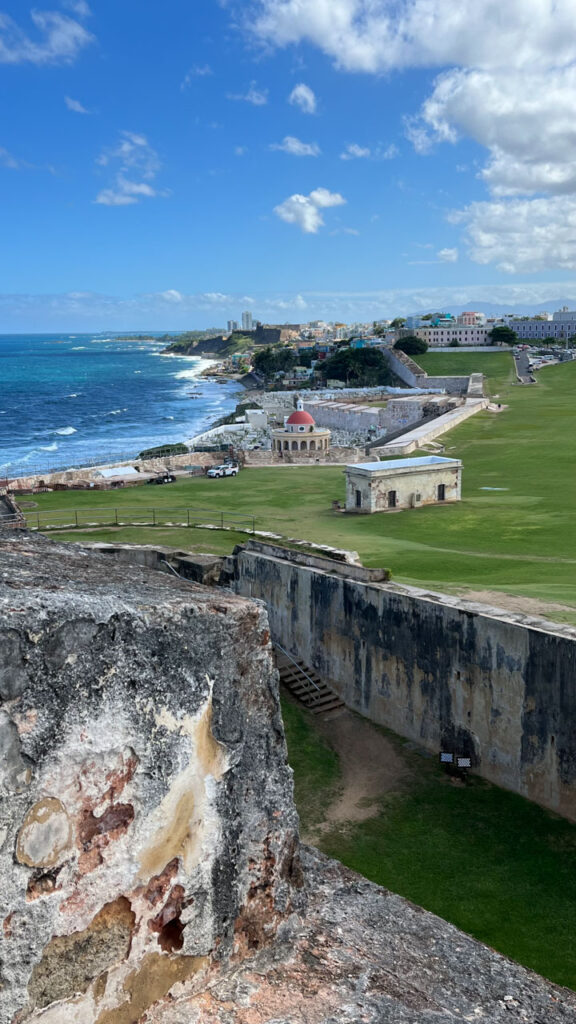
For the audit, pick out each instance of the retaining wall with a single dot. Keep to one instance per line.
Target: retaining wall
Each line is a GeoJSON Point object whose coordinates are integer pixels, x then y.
{"type": "Point", "coordinates": [497, 687]}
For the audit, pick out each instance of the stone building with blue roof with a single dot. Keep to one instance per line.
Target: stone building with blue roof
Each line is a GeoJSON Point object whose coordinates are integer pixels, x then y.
{"type": "Point", "coordinates": [402, 483]}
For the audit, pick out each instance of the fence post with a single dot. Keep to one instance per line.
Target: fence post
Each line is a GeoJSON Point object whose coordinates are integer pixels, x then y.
{"type": "Point", "coordinates": [188, 517]}
{"type": "Point", "coordinates": [116, 515]}
{"type": "Point", "coordinates": [76, 517]}
{"type": "Point", "coordinates": [38, 520]}
{"type": "Point", "coordinates": [222, 520]}
{"type": "Point", "coordinates": [153, 517]}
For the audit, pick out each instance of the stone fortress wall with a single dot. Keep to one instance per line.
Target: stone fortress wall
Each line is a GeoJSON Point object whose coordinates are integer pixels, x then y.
{"type": "Point", "coordinates": [497, 687]}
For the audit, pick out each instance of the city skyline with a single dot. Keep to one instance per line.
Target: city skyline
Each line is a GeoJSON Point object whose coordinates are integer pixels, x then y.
{"type": "Point", "coordinates": [349, 160]}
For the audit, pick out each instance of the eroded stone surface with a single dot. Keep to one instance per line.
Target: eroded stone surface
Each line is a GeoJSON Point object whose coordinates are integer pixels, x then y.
{"type": "Point", "coordinates": [362, 955]}
{"type": "Point", "coordinates": [45, 837]}
{"type": "Point", "coordinates": [144, 767]}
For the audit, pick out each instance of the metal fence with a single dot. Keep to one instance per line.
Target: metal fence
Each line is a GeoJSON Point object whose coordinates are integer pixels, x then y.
{"type": "Point", "coordinates": [60, 519]}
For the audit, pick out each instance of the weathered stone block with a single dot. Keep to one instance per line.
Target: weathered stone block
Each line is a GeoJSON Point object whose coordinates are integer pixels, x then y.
{"type": "Point", "coordinates": [147, 828]}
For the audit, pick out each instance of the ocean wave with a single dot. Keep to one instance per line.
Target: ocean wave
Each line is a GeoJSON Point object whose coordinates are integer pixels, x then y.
{"type": "Point", "coordinates": [191, 374]}
{"type": "Point", "coordinates": [49, 447]}
{"type": "Point", "coordinates": [78, 348]}
{"type": "Point", "coordinates": [75, 394]}
{"type": "Point", "coordinates": [66, 430]}
{"type": "Point", "coordinates": [167, 417]}
{"type": "Point", "coordinates": [115, 412]}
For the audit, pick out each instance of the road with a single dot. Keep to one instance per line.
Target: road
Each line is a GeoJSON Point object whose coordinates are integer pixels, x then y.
{"type": "Point", "coordinates": [522, 361]}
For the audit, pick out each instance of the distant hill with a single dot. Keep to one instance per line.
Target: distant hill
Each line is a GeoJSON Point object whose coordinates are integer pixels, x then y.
{"type": "Point", "coordinates": [501, 309]}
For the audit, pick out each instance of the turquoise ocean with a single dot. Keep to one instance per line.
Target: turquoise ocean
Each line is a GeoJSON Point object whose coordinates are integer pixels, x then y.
{"type": "Point", "coordinates": [73, 400]}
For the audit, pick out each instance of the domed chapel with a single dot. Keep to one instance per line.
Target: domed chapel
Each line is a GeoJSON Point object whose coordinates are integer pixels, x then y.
{"type": "Point", "coordinates": [300, 433]}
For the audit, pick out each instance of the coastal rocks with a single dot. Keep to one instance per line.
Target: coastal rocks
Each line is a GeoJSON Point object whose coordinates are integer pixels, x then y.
{"type": "Point", "coordinates": [147, 828]}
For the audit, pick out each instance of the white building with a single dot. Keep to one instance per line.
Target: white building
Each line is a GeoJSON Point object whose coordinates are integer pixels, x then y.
{"type": "Point", "coordinates": [247, 321]}
{"type": "Point", "coordinates": [232, 326]}
{"type": "Point", "coordinates": [402, 483]}
{"type": "Point", "coordinates": [439, 337]}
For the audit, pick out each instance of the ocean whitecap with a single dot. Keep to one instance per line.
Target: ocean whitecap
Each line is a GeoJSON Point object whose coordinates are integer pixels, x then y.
{"type": "Point", "coordinates": [66, 430]}
{"type": "Point", "coordinates": [49, 447]}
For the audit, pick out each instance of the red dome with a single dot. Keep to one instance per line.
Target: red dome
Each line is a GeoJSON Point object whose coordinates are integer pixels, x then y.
{"type": "Point", "coordinates": [300, 417]}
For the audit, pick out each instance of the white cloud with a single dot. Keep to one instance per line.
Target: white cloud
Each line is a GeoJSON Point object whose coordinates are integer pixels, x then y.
{"type": "Point", "coordinates": [522, 235]}
{"type": "Point", "coordinates": [81, 309]}
{"type": "Point", "coordinates": [305, 210]}
{"type": "Point", "coordinates": [296, 148]}
{"type": "Point", "coordinates": [79, 7]}
{"type": "Point", "coordinates": [507, 80]}
{"type": "Point", "coordinates": [171, 295]}
{"type": "Point", "coordinates": [302, 96]}
{"type": "Point", "coordinates": [60, 39]}
{"type": "Point", "coordinates": [10, 161]}
{"type": "Point", "coordinates": [240, 150]}
{"type": "Point", "coordinates": [448, 255]}
{"type": "Point", "coordinates": [379, 36]}
{"type": "Point", "coordinates": [355, 152]}
{"type": "Point", "coordinates": [135, 165]}
{"type": "Point", "coordinates": [198, 71]}
{"type": "Point", "coordinates": [75, 105]}
{"type": "Point", "coordinates": [524, 118]}
{"type": "Point", "coordinates": [258, 97]}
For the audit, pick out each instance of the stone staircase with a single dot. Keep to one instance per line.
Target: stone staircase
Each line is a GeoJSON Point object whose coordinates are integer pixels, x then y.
{"type": "Point", "coordinates": [305, 684]}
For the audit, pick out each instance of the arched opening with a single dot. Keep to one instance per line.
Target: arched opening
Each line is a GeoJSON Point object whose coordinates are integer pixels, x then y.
{"type": "Point", "coordinates": [312, 446]}
{"type": "Point", "coordinates": [303, 446]}
{"type": "Point", "coordinates": [294, 446]}
{"type": "Point", "coordinates": [286, 446]}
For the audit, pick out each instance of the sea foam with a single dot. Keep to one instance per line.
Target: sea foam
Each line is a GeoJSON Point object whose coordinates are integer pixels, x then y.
{"type": "Point", "coordinates": [66, 430]}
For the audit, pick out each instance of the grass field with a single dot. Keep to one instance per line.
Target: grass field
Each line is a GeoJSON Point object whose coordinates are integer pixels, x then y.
{"type": "Point", "coordinates": [495, 865]}
{"type": "Point", "coordinates": [497, 367]}
{"type": "Point", "coordinates": [514, 531]}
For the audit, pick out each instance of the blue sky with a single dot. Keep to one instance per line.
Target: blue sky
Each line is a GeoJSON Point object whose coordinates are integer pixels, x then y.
{"type": "Point", "coordinates": [167, 166]}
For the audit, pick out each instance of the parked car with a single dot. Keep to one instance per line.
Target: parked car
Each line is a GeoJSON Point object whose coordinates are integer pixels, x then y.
{"type": "Point", "coordinates": [164, 478]}
{"type": "Point", "coordinates": [226, 469]}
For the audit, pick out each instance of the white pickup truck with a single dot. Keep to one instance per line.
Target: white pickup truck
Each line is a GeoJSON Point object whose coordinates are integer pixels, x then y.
{"type": "Point", "coordinates": [227, 469]}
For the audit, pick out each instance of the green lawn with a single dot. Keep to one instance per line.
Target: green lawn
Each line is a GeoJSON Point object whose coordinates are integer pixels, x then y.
{"type": "Point", "coordinates": [495, 865]}
{"type": "Point", "coordinates": [498, 367]}
{"type": "Point", "coordinates": [519, 538]}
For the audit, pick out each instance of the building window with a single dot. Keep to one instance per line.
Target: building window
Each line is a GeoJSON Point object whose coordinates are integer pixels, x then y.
{"type": "Point", "coordinates": [303, 446]}
{"type": "Point", "coordinates": [358, 499]}
{"type": "Point", "coordinates": [441, 492]}
{"type": "Point", "coordinates": [392, 499]}
{"type": "Point", "coordinates": [294, 446]}
{"type": "Point", "coordinates": [312, 446]}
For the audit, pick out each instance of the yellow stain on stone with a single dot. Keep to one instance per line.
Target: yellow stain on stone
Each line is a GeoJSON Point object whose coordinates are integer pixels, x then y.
{"type": "Point", "coordinates": [45, 838]}
{"type": "Point", "coordinates": [152, 981]}
{"type": "Point", "coordinates": [184, 808]}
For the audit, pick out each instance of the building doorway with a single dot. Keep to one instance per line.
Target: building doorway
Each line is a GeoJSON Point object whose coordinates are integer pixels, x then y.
{"type": "Point", "coordinates": [358, 499]}
{"type": "Point", "coordinates": [441, 492]}
{"type": "Point", "coordinates": [392, 499]}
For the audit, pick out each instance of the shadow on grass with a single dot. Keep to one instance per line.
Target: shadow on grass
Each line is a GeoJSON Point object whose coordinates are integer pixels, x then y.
{"type": "Point", "coordinates": [492, 863]}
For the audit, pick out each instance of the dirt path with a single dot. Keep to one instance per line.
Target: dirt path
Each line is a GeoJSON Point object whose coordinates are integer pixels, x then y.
{"type": "Point", "coordinates": [370, 766]}
{"type": "Point", "coordinates": [516, 603]}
